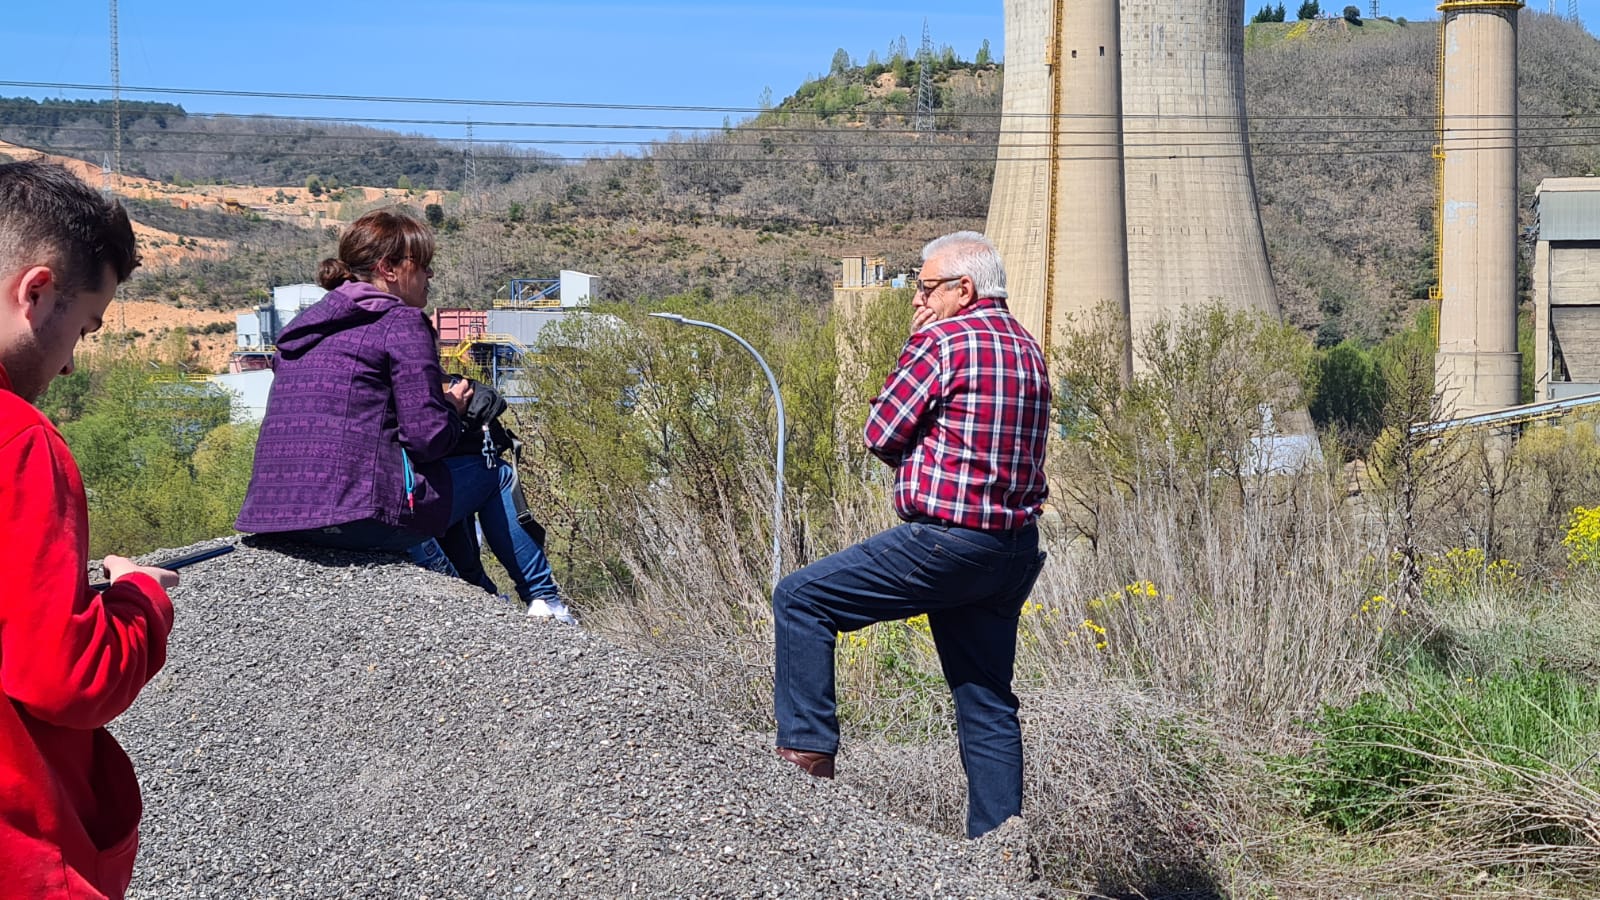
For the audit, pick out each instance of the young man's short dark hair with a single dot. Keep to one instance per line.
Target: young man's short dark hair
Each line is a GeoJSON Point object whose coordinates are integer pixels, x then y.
{"type": "Point", "coordinates": [49, 216]}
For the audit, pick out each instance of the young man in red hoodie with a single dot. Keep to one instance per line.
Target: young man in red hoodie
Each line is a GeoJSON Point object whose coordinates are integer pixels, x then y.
{"type": "Point", "coordinates": [71, 659]}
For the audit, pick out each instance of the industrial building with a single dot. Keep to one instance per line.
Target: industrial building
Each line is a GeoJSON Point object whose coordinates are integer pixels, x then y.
{"type": "Point", "coordinates": [495, 341]}
{"type": "Point", "coordinates": [1566, 289]}
{"type": "Point", "coordinates": [256, 331]}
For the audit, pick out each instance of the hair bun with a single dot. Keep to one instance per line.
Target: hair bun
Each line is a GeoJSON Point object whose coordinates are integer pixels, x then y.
{"type": "Point", "coordinates": [333, 272]}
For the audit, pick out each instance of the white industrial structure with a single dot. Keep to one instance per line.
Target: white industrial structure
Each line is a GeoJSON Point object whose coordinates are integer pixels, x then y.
{"type": "Point", "coordinates": [1566, 289]}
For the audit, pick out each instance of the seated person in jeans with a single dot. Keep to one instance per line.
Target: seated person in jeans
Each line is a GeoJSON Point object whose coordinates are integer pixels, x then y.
{"type": "Point", "coordinates": [487, 439]}
{"type": "Point", "coordinates": [353, 448]}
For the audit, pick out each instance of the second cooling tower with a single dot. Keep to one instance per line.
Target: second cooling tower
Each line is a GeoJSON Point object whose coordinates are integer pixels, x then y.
{"type": "Point", "coordinates": [1191, 233]}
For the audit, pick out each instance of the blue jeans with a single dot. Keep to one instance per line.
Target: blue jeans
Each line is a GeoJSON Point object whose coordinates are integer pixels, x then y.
{"type": "Point", "coordinates": [477, 491]}
{"type": "Point", "coordinates": [488, 494]}
{"type": "Point", "coordinates": [972, 585]}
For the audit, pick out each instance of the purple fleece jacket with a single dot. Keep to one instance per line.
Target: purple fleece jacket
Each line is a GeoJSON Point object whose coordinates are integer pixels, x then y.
{"type": "Point", "coordinates": [357, 378]}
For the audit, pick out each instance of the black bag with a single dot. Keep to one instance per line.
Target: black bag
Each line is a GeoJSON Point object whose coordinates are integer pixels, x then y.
{"type": "Point", "coordinates": [485, 436]}
{"type": "Point", "coordinates": [483, 414]}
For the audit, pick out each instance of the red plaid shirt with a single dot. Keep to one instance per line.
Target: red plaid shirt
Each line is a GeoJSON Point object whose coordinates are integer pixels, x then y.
{"type": "Point", "coordinates": [963, 419]}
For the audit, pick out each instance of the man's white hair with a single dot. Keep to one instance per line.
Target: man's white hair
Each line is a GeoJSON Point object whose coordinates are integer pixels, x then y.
{"type": "Point", "coordinates": [973, 255]}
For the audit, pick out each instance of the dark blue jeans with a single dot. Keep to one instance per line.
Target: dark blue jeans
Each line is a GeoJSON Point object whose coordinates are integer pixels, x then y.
{"type": "Point", "coordinates": [972, 585]}
{"type": "Point", "coordinates": [477, 490]}
{"type": "Point", "coordinates": [495, 507]}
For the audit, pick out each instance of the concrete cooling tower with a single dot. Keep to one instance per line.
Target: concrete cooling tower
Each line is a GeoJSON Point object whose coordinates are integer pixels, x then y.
{"type": "Point", "coordinates": [1056, 212]}
{"type": "Point", "coordinates": [1477, 367]}
{"type": "Point", "coordinates": [1168, 196]}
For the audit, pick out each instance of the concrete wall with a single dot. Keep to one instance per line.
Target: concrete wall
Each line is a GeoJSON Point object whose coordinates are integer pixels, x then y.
{"type": "Point", "coordinates": [1477, 366]}
{"type": "Point", "coordinates": [1566, 305]}
{"type": "Point", "coordinates": [1019, 204]}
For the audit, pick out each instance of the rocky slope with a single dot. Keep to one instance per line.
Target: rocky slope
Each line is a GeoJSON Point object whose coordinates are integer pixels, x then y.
{"type": "Point", "coordinates": [336, 725]}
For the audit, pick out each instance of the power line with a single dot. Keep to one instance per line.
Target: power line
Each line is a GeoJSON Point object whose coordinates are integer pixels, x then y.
{"type": "Point", "coordinates": [116, 96]}
{"type": "Point", "coordinates": [986, 155]}
{"type": "Point", "coordinates": [850, 140]}
{"type": "Point", "coordinates": [398, 137]}
{"type": "Point", "coordinates": [640, 107]}
{"type": "Point", "coordinates": [924, 118]}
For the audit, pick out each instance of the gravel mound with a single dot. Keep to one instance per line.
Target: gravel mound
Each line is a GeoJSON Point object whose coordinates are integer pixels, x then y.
{"type": "Point", "coordinates": [339, 725]}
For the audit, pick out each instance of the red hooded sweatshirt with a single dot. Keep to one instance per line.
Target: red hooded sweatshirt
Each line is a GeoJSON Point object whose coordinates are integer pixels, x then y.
{"type": "Point", "coordinates": [71, 660]}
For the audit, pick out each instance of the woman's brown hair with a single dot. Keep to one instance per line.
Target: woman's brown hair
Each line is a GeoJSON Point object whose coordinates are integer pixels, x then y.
{"type": "Point", "coordinates": [385, 234]}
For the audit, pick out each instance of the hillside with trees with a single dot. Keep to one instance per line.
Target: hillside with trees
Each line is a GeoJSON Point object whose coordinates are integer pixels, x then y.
{"type": "Point", "coordinates": [1342, 129]}
{"type": "Point", "coordinates": [163, 141]}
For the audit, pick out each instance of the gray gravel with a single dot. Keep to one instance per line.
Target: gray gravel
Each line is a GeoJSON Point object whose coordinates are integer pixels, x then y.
{"type": "Point", "coordinates": [338, 725]}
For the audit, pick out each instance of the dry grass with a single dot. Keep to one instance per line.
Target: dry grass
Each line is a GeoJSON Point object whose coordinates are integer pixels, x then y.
{"type": "Point", "coordinates": [1249, 611]}
{"type": "Point", "coordinates": [1480, 828]}
{"type": "Point", "coordinates": [1126, 795]}
{"type": "Point", "coordinates": [1159, 667]}
{"type": "Point", "coordinates": [1130, 787]}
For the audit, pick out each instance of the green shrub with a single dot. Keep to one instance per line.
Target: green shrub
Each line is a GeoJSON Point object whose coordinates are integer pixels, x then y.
{"type": "Point", "coordinates": [1385, 758]}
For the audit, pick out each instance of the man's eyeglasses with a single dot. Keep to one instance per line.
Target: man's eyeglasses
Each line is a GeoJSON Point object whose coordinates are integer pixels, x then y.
{"type": "Point", "coordinates": [932, 284]}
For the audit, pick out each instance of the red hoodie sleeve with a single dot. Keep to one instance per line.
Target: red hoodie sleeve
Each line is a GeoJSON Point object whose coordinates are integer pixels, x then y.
{"type": "Point", "coordinates": [69, 656]}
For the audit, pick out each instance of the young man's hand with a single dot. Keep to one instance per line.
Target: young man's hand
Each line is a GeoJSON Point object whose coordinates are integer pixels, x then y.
{"type": "Point", "coordinates": [117, 567]}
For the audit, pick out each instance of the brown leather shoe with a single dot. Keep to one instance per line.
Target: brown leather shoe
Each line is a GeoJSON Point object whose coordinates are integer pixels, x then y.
{"type": "Point", "coordinates": [817, 765]}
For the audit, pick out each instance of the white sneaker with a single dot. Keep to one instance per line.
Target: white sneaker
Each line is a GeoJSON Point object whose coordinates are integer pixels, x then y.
{"type": "Point", "coordinates": [551, 608]}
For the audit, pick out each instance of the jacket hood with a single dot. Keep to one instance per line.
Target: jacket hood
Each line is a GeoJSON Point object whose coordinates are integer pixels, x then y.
{"type": "Point", "coordinates": [350, 304]}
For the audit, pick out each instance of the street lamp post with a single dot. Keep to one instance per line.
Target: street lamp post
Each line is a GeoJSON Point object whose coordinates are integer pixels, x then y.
{"type": "Point", "coordinates": [777, 398]}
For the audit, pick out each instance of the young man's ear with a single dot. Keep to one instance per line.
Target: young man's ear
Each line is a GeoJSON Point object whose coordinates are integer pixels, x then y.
{"type": "Point", "coordinates": [34, 295]}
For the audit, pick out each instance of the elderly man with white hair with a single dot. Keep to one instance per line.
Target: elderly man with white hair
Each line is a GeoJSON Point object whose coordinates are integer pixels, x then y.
{"type": "Point", "coordinates": [963, 420]}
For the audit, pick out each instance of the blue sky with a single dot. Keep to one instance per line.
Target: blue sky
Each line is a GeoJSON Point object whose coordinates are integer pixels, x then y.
{"type": "Point", "coordinates": [716, 54]}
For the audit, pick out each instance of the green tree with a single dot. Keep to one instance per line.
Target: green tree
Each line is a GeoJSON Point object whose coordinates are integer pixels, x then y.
{"type": "Point", "coordinates": [985, 56]}
{"type": "Point", "coordinates": [1188, 421]}
{"type": "Point", "coordinates": [841, 63]}
{"type": "Point", "coordinates": [631, 407]}
{"type": "Point", "coordinates": [1349, 396]}
{"type": "Point", "coordinates": [162, 464]}
{"type": "Point", "coordinates": [1309, 9]}
{"type": "Point", "coordinates": [902, 74]}
{"type": "Point", "coordinates": [403, 183]}
{"type": "Point", "coordinates": [1352, 14]}
{"type": "Point", "coordinates": [434, 213]}
{"type": "Point", "coordinates": [313, 185]}
{"type": "Point", "coordinates": [1263, 15]}
{"type": "Point", "coordinates": [1278, 14]}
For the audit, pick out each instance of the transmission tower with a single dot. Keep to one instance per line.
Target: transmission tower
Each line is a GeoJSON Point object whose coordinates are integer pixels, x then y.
{"type": "Point", "coordinates": [116, 106]}
{"type": "Point", "coordinates": [1572, 10]}
{"type": "Point", "coordinates": [1374, 9]}
{"type": "Point", "coordinates": [469, 171]}
{"type": "Point", "coordinates": [924, 119]}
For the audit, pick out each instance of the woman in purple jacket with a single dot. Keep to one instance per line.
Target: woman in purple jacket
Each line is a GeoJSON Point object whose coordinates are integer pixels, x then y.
{"type": "Point", "coordinates": [353, 448]}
